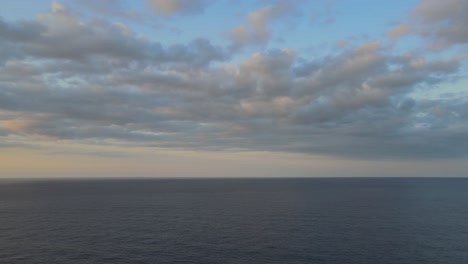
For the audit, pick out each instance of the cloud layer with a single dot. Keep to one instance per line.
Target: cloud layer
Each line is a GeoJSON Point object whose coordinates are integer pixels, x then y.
{"type": "Point", "coordinates": [63, 77]}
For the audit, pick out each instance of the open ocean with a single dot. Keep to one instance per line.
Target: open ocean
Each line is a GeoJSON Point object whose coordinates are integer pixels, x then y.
{"type": "Point", "coordinates": [346, 221]}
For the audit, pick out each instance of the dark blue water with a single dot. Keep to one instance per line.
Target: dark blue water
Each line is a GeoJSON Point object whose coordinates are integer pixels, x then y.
{"type": "Point", "coordinates": [235, 221]}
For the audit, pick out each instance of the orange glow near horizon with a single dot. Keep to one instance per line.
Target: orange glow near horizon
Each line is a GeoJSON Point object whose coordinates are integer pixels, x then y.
{"type": "Point", "coordinates": [85, 161]}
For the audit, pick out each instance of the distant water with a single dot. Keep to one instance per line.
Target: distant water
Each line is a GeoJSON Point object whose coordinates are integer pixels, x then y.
{"type": "Point", "coordinates": [346, 221]}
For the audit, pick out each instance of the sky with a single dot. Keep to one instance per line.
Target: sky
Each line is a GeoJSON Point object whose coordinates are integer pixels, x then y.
{"type": "Point", "coordinates": [260, 88]}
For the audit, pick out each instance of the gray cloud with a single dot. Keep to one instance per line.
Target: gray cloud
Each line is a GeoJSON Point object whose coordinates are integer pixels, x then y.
{"type": "Point", "coordinates": [60, 34]}
{"type": "Point", "coordinates": [120, 89]}
{"type": "Point", "coordinates": [177, 7]}
{"type": "Point", "coordinates": [256, 29]}
{"type": "Point", "coordinates": [443, 23]}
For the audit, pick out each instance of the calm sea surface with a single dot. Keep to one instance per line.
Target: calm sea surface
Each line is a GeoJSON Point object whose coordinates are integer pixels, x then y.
{"type": "Point", "coordinates": [235, 221]}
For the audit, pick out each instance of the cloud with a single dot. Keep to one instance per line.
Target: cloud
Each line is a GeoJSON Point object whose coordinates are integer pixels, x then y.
{"type": "Point", "coordinates": [96, 39]}
{"type": "Point", "coordinates": [398, 31]}
{"type": "Point", "coordinates": [177, 7]}
{"type": "Point", "coordinates": [443, 23]}
{"type": "Point", "coordinates": [95, 82]}
{"type": "Point", "coordinates": [255, 30]}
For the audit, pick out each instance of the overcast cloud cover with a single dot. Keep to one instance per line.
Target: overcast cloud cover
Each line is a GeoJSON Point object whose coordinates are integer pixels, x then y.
{"type": "Point", "coordinates": [85, 73]}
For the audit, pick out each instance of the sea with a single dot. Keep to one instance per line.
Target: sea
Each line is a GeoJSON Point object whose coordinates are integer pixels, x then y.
{"type": "Point", "coordinates": [284, 220]}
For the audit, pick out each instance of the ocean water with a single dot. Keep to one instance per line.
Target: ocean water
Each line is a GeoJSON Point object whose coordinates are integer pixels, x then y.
{"type": "Point", "coordinates": [235, 221]}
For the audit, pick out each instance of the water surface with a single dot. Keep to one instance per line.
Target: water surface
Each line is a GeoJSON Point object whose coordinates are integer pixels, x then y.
{"type": "Point", "coordinates": [343, 220]}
